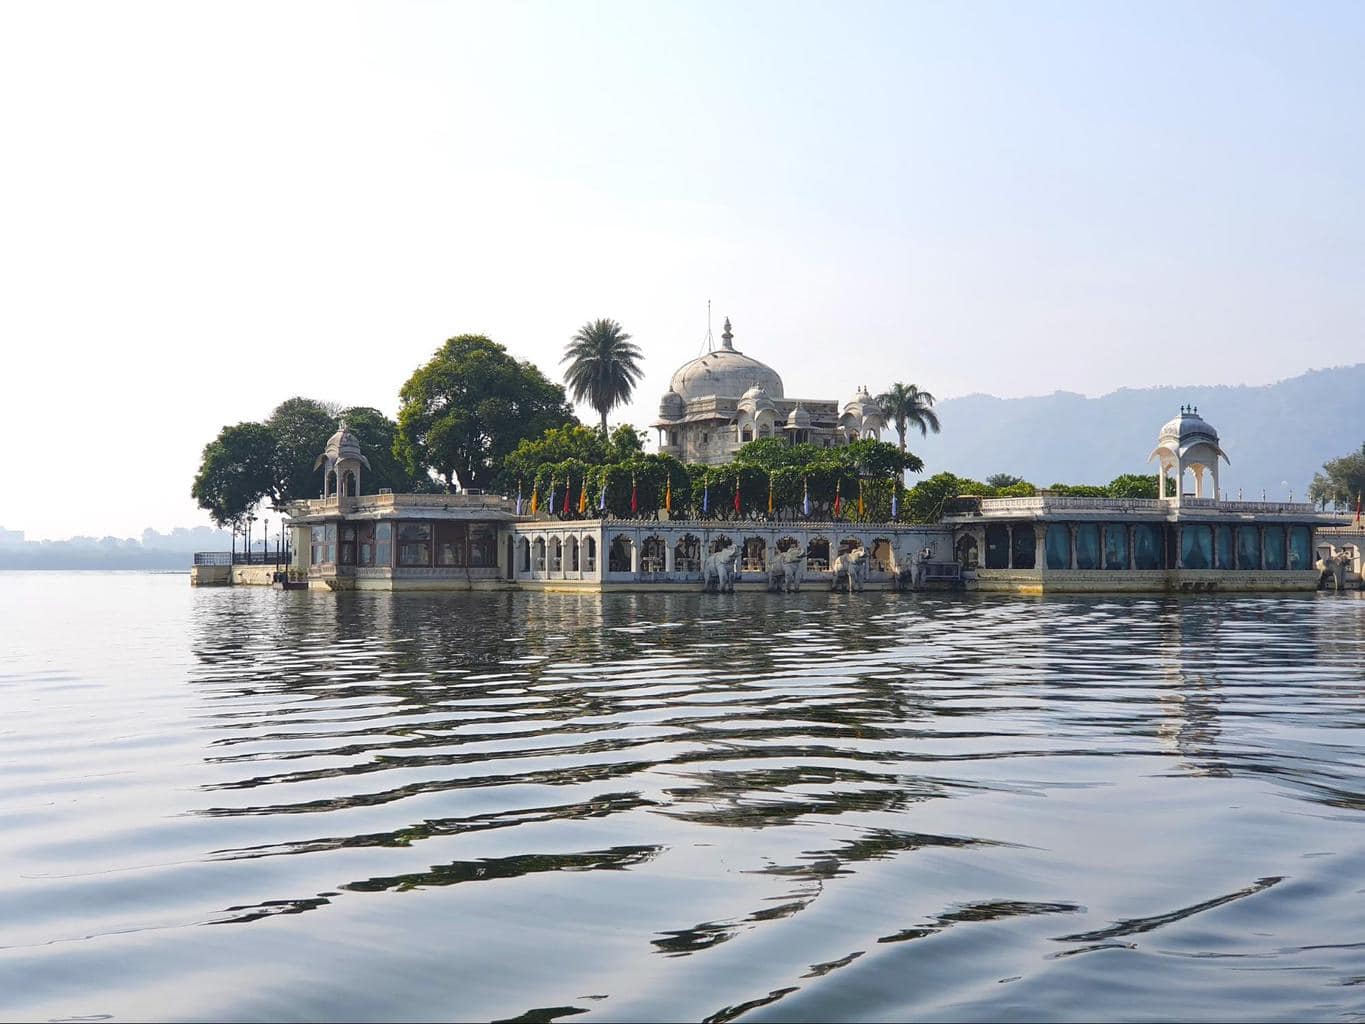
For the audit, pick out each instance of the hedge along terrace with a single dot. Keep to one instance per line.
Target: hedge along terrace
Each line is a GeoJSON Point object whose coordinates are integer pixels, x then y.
{"type": "Point", "coordinates": [640, 485]}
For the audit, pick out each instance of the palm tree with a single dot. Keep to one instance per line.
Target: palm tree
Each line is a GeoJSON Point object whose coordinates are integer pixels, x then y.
{"type": "Point", "coordinates": [603, 366]}
{"type": "Point", "coordinates": [905, 404]}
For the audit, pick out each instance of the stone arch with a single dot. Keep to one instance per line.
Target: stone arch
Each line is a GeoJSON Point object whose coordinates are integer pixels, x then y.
{"type": "Point", "coordinates": [329, 486]}
{"type": "Point", "coordinates": [556, 554]}
{"type": "Point", "coordinates": [849, 543]}
{"type": "Point", "coordinates": [966, 552]}
{"type": "Point", "coordinates": [787, 543]}
{"type": "Point", "coordinates": [524, 554]}
{"type": "Point", "coordinates": [687, 553]}
{"type": "Point", "coordinates": [881, 555]}
{"type": "Point", "coordinates": [754, 557]}
{"type": "Point", "coordinates": [653, 554]}
{"type": "Point", "coordinates": [619, 554]}
{"type": "Point", "coordinates": [538, 551]}
{"type": "Point", "coordinates": [590, 554]}
{"type": "Point", "coordinates": [746, 434]}
{"type": "Point", "coordinates": [573, 564]}
{"type": "Point", "coordinates": [817, 553]}
{"type": "Point", "coordinates": [718, 543]}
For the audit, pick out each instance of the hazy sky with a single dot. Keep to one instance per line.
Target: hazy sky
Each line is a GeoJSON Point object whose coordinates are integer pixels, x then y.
{"type": "Point", "coordinates": [207, 209]}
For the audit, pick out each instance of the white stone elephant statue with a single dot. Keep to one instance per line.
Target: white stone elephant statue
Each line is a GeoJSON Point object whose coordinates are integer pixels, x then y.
{"type": "Point", "coordinates": [718, 570]}
{"type": "Point", "coordinates": [850, 568]}
{"type": "Point", "coordinates": [786, 570]}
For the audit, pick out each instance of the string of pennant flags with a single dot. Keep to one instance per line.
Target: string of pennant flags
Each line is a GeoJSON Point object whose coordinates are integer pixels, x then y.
{"type": "Point", "coordinates": [566, 506]}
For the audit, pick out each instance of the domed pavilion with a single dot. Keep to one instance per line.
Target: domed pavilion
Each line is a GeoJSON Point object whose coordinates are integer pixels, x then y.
{"type": "Point", "coordinates": [724, 399]}
{"type": "Point", "coordinates": [1188, 443]}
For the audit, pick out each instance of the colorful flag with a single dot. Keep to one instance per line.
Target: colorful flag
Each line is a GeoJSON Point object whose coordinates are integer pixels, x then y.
{"type": "Point", "coordinates": [668, 494]}
{"type": "Point", "coordinates": [602, 498]}
{"type": "Point", "coordinates": [567, 488]}
{"type": "Point", "coordinates": [805, 500]}
{"type": "Point", "coordinates": [736, 493]}
{"type": "Point", "coordinates": [838, 502]}
{"type": "Point", "coordinates": [705, 497]}
{"type": "Point", "coordinates": [518, 497]}
{"type": "Point", "coordinates": [583, 497]}
{"type": "Point", "coordinates": [861, 507]}
{"type": "Point", "coordinates": [634, 496]}
{"type": "Point", "coordinates": [1357, 506]}
{"type": "Point", "coordinates": [535, 498]}
{"type": "Point", "coordinates": [770, 494]}
{"type": "Point", "coordinates": [550, 505]}
{"type": "Point", "coordinates": [895, 499]}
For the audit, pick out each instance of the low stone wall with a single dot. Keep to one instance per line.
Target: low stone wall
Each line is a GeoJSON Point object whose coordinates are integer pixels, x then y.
{"type": "Point", "coordinates": [1117, 581]}
{"type": "Point", "coordinates": [210, 575]}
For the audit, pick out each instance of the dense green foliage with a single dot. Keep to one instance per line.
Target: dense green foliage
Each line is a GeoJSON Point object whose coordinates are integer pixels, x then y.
{"type": "Point", "coordinates": [301, 427]}
{"type": "Point", "coordinates": [277, 459]}
{"type": "Point", "coordinates": [236, 472]}
{"type": "Point", "coordinates": [468, 408]}
{"type": "Point", "coordinates": [906, 405]}
{"type": "Point", "coordinates": [1341, 482]}
{"type": "Point", "coordinates": [604, 366]}
{"type": "Point", "coordinates": [789, 473]}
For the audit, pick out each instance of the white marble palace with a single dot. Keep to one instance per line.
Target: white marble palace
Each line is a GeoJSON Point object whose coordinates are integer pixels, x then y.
{"type": "Point", "coordinates": [723, 399]}
{"type": "Point", "coordinates": [1190, 540]}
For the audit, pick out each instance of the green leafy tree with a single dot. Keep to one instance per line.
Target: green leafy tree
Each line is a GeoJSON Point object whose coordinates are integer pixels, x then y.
{"type": "Point", "coordinates": [301, 428]}
{"type": "Point", "coordinates": [1341, 482]}
{"type": "Point", "coordinates": [236, 472]}
{"type": "Point", "coordinates": [1003, 480]}
{"type": "Point", "coordinates": [1133, 485]}
{"type": "Point", "coordinates": [604, 366]}
{"type": "Point", "coordinates": [906, 406]}
{"type": "Point", "coordinates": [466, 410]}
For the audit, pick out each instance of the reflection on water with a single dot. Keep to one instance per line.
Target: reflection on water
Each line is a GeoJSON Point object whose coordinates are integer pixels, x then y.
{"type": "Point", "coordinates": [677, 806]}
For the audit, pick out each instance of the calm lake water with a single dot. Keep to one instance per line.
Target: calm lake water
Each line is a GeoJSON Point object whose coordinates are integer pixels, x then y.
{"type": "Point", "coordinates": [243, 804]}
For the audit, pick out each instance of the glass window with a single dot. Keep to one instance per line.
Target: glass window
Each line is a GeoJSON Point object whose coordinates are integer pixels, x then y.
{"type": "Point", "coordinates": [318, 547]}
{"type": "Point", "coordinates": [1196, 547]}
{"type": "Point", "coordinates": [450, 544]}
{"type": "Point", "coordinates": [1087, 546]}
{"type": "Point", "coordinates": [331, 555]}
{"type": "Point", "coordinates": [1274, 547]}
{"type": "Point", "coordinates": [997, 547]}
{"type": "Point", "coordinates": [1147, 547]}
{"type": "Point", "coordinates": [1024, 546]}
{"type": "Point", "coordinates": [383, 544]}
{"type": "Point", "coordinates": [1222, 544]}
{"type": "Point", "coordinates": [1058, 546]}
{"type": "Point", "coordinates": [414, 544]}
{"type": "Point", "coordinates": [483, 545]}
{"type": "Point", "coordinates": [1116, 546]}
{"type": "Point", "coordinates": [1300, 547]}
{"type": "Point", "coordinates": [1248, 547]}
{"type": "Point", "coordinates": [746, 435]}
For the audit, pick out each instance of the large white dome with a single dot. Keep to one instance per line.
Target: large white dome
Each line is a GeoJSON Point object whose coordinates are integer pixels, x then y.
{"type": "Point", "coordinates": [726, 372]}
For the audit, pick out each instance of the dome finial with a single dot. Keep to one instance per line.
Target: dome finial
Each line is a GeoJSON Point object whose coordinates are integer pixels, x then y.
{"type": "Point", "coordinates": [727, 338]}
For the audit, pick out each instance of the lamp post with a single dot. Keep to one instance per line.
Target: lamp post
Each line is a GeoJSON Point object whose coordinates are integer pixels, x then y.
{"type": "Point", "coordinates": [250, 518]}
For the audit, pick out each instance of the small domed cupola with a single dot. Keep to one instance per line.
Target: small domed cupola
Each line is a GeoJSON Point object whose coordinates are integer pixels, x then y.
{"type": "Point", "coordinates": [1187, 442]}
{"type": "Point", "coordinates": [340, 462]}
{"type": "Point", "coordinates": [671, 406]}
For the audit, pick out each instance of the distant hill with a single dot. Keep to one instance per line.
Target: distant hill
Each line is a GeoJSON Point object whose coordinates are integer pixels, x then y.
{"type": "Point", "coordinates": [1279, 432]}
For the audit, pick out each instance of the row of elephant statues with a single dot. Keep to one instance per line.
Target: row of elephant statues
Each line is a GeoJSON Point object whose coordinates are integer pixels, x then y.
{"type": "Point", "coordinates": [786, 570]}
